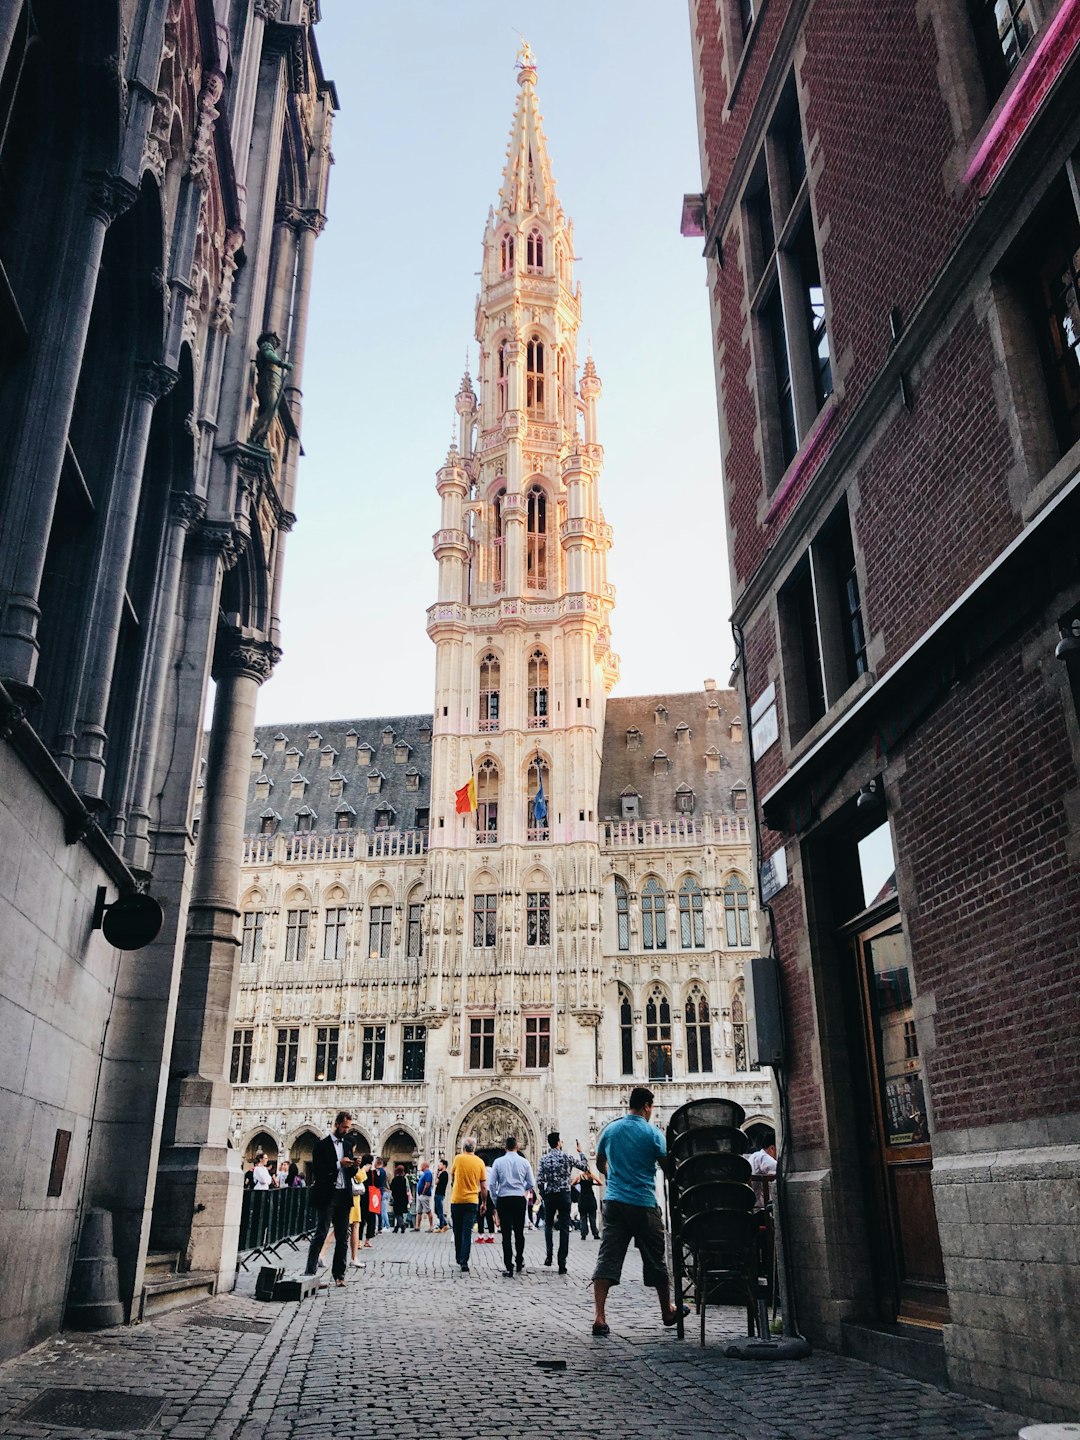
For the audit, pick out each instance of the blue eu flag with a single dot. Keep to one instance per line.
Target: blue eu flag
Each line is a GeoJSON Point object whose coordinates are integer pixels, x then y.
{"type": "Point", "coordinates": [539, 804]}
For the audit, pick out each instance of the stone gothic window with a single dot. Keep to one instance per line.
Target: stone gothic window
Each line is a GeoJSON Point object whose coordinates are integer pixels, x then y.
{"type": "Point", "coordinates": [506, 253]}
{"type": "Point", "coordinates": [534, 251]}
{"type": "Point", "coordinates": [691, 915]}
{"type": "Point", "coordinates": [500, 541]}
{"type": "Point", "coordinates": [538, 690]}
{"type": "Point", "coordinates": [537, 1042]}
{"type": "Point", "coordinates": [380, 925]}
{"type": "Point", "coordinates": [653, 915]}
{"type": "Point", "coordinates": [622, 913]}
{"type": "Point", "coordinates": [538, 790]}
{"type": "Point", "coordinates": [483, 917]}
{"type": "Point", "coordinates": [296, 934]}
{"type": "Point", "coordinates": [373, 1055]}
{"type": "Point", "coordinates": [658, 1034]}
{"type": "Point", "coordinates": [538, 917]}
{"type": "Point", "coordinates": [482, 1042]}
{"type": "Point", "coordinates": [698, 1033]}
{"type": "Point", "coordinates": [737, 911]}
{"type": "Point", "coordinates": [503, 378]}
{"type": "Point", "coordinates": [413, 1052]}
{"type": "Point", "coordinates": [534, 376]}
{"type": "Point", "coordinates": [335, 933]}
{"type": "Point", "coordinates": [252, 937]}
{"type": "Point", "coordinates": [626, 1032]}
{"type": "Point", "coordinates": [415, 946]}
{"type": "Point", "coordinates": [489, 692]}
{"type": "Point", "coordinates": [738, 1031]}
{"type": "Point", "coordinates": [487, 802]}
{"type": "Point", "coordinates": [536, 540]}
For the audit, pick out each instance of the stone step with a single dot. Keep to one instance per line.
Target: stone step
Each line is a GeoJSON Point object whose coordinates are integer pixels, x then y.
{"type": "Point", "coordinates": [913, 1350]}
{"type": "Point", "coordinates": [160, 1263]}
{"type": "Point", "coordinates": [172, 1292]}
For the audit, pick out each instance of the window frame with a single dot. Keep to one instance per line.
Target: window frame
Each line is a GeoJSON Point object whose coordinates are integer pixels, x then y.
{"type": "Point", "coordinates": [537, 1042]}
{"type": "Point", "coordinates": [482, 1043]}
{"type": "Point", "coordinates": [335, 925]}
{"type": "Point", "coordinates": [251, 936]}
{"type": "Point", "coordinates": [380, 930]}
{"type": "Point", "coordinates": [485, 915]}
{"type": "Point", "coordinates": [373, 1053]}
{"type": "Point", "coordinates": [413, 1043]}
{"type": "Point", "coordinates": [691, 900]}
{"type": "Point", "coordinates": [297, 934]}
{"type": "Point", "coordinates": [327, 1054]}
{"type": "Point", "coordinates": [658, 1034]}
{"type": "Point", "coordinates": [652, 899]}
{"type": "Point", "coordinates": [286, 1054]}
{"type": "Point", "coordinates": [736, 910]}
{"type": "Point", "coordinates": [243, 1047]}
{"type": "Point", "coordinates": [698, 1023]}
{"type": "Point", "coordinates": [537, 918]}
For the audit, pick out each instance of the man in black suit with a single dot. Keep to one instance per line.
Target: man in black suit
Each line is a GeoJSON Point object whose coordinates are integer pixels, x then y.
{"type": "Point", "coordinates": [332, 1168]}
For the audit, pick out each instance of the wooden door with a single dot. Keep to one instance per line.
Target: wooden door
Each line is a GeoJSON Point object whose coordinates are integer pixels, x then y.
{"type": "Point", "coordinates": [911, 1270]}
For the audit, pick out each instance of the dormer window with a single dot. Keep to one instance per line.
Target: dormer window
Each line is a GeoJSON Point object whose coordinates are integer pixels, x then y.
{"type": "Point", "coordinates": [634, 738]}
{"type": "Point", "coordinates": [262, 785]}
{"type": "Point", "coordinates": [314, 740]}
{"type": "Point", "coordinates": [280, 741]}
{"type": "Point", "coordinates": [384, 818]}
{"type": "Point", "coordinates": [388, 735]}
{"type": "Point", "coordinates": [337, 786]}
{"type": "Point", "coordinates": [344, 817]}
{"type": "Point", "coordinates": [712, 760]}
{"type": "Point", "coordinates": [258, 760]}
{"type": "Point", "coordinates": [736, 730]}
{"type": "Point", "coordinates": [660, 763]}
{"type": "Point", "coordinates": [269, 820]}
{"type": "Point", "coordinates": [374, 782]}
{"type": "Point", "coordinates": [412, 779]}
{"type": "Point", "coordinates": [630, 804]}
{"type": "Point", "coordinates": [401, 752]}
{"type": "Point", "coordinates": [424, 734]}
{"type": "Point", "coordinates": [684, 800]}
{"type": "Point", "coordinates": [304, 821]}
{"type": "Point", "coordinates": [738, 799]}
{"type": "Point", "coordinates": [506, 253]}
{"type": "Point", "coordinates": [294, 755]}
{"type": "Point", "coordinates": [660, 716]}
{"type": "Point", "coordinates": [534, 251]}
{"type": "Point", "coordinates": [351, 738]}
{"type": "Point", "coordinates": [297, 786]}
{"type": "Point", "coordinates": [683, 734]}
{"type": "Point", "coordinates": [364, 754]}
{"type": "Point", "coordinates": [327, 756]}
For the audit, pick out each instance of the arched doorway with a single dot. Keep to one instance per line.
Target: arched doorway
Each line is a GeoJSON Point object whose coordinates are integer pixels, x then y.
{"type": "Point", "coordinates": [301, 1151]}
{"type": "Point", "coordinates": [399, 1148]}
{"type": "Point", "coordinates": [264, 1141]}
{"type": "Point", "coordinates": [491, 1121]}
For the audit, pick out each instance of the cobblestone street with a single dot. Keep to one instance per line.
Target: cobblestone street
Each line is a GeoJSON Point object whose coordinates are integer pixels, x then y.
{"type": "Point", "coordinates": [413, 1346]}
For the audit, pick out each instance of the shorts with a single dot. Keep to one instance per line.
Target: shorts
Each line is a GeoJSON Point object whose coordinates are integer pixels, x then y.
{"type": "Point", "coordinates": [641, 1224]}
{"type": "Point", "coordinates": [423, 1204]}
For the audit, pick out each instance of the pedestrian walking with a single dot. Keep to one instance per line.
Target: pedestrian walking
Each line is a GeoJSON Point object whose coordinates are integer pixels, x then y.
{"type": "Point", "coordinates": [629, 1151]}
{"type": "Point", "coordinates": [485, 1217]}
{"type": "Point", "coordinates": [442, 1180]}
{"type": "Point", "coordinates": [424, 1185]}
{"type": "Point", "coordinates": [468, 1187]}
{"type": "Point", "coordinates": [510, 1182]}
{"type": "Point", "coordinates": [369, 1218]}
{"type": "Point", "coordinates": [586, 1205]}
{"type": "Point", "coordinates": [400, 1198]}
{"type": "Point", "coordinates": [553, 1176]}
{"type": "Point", "coordinates": [382, 1183]}
{"type": "Point", "coordinates": [332, 1166]}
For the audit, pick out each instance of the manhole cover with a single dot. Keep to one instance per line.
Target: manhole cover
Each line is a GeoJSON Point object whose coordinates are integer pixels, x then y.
{"type": "Point", "coordinates": [226, 1322]}
{"type": "Point", "coordinates": [93, 1410]}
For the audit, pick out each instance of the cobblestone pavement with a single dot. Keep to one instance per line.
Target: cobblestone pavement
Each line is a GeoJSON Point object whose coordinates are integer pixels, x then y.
{"type": "Point", "coordinates": [412, 1346]}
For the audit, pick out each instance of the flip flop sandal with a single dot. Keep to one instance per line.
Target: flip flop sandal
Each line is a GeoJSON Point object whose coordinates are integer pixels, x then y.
{"type": "Point", "coordinates": [599, 1329]}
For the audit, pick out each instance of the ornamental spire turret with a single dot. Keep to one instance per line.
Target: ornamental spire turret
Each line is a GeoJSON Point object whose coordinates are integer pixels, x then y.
{"type": "Point", "coordinates": [528, 186]}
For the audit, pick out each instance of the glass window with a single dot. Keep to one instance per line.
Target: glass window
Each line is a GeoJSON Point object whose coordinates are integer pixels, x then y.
{"type": "Point", "coordinates": [538, 917]}
{"type": "Point", "coordinates": [489, 693]}
{"type": "Point", "coordinates": [538, 691]}
{"type": "Point", "coordinates": [534, 375]}
{"type": "Point", "coordinates": [296, 934]}
{"type": "Point", "coordinates": [484, 921]}
{"type": "Point", "coordinates": [658, 1034]}
{"type": "Point", "coordinates": [482, 1042]}
{"type": "Point", "coordinates": [536, 540]}
{"type": "Point", "coordinates": [416, 931]}
{"type": "Point", "coordinates": [691, 915]}
{"type": "Point", "coordinates": [622, 913]}
{"type": "Point", "coordinates": [288, 1048]}
{"type": "Point", "coordinates": [240, 1066]}
{"type": "Point", "coordinates": [653, 915]}
{"type": "Point", "coordinates": [626, 1032]}
{"type": "Point", "coordinates": [534, 251]}
{"type": "Point", "coordinates": [373, 1055]}
{"type": "Point", "coordinates": [506, 253]}
{"type": "Point", "coordinates": [380, 923]}
{"type": "Point", "coordinates": [487, 803]}
{"type": "Point", "coordinates": [698, 1033]}
{"type": "Point", "coordinates": [326, 1052]}
{"type": "Point", "coordinates": [737, 912]}
{"type": "Point", "coordinates": [336, 932]}
{"type": "Point", "coordinates": [413, 1051]}
{"type": "Point", "coordinates": [738, 1031]}
{"type": "Point", "coordinates": [1003, 32]}
{"type": "Point", "coordinates": [252, 936]}
{"type": "Point", "coordinates": [537, 790]}
{"type": "Point", "coordinates": [537, 1042]}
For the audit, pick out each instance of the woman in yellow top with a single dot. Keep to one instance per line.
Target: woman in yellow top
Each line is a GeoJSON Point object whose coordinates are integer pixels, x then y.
{"type": "Point", "coordinates": [468, 1184]}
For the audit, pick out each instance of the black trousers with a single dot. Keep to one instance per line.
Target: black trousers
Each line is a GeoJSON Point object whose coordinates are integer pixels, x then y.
{"type": "Point", "coordinates": [332, 1210]}
{"type": "Point", "coordinates": [587, 1217]}
{"type": "Point", "coordinates": [557, 1212]}
{"type": "Point", "coordinates": [512, 1224]}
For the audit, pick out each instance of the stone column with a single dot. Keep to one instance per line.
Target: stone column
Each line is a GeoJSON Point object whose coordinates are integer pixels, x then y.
{"type": "Point", "coordinates": [38, 444]}
{"type": "Point", "coordinates": [186, 510]}
{"type": "Point", "coordinates": [152, 381]}
{"type": "Point", "coordinates": [197, 1207]}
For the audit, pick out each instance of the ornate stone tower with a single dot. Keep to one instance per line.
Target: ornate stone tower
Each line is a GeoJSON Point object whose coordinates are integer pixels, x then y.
{"type": "Point", "coordinates": [523, 667]}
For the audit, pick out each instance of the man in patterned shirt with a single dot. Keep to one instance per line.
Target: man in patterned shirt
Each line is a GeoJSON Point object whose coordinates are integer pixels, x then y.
{"type": "Point", "coordinates": [553, 1178]}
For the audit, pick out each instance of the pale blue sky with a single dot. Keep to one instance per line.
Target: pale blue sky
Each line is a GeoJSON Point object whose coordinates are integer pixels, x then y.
{"type": "Point", "coordinates": [427, 91]}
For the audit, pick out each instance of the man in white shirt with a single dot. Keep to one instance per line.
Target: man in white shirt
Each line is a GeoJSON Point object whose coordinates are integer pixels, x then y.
{"type": "Point", "coordinates": [510, 1180]}
{"type": "Point", "coordinates": [763, 1170]}
{"type": "Point", "coordinates": [333, 1166]}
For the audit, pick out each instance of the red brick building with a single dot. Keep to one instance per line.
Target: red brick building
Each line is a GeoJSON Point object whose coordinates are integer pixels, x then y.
{"type": "Point", "coordinates": [890, 220]}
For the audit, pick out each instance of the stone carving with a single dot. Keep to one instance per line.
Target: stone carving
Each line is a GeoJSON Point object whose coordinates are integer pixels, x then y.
{"type": "Point", "coordinates": [187, 509]}
{"type": "Point", "coordinates": [237, 655]}
{"type": "Point", "coordinates": [492, 1121]}
{"type": "Point", "coordinates": [154, 380]}
{"type": "Point", "coordinates": [199, 165]}
{"type": "Point", "coordinates": [108, 196]}
{"type": "Point", "coordinates": [270, 372]}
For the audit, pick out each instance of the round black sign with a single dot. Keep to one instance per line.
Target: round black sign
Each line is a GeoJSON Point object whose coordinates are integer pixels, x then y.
{"type": "Point", "coordinates": [132, 921]}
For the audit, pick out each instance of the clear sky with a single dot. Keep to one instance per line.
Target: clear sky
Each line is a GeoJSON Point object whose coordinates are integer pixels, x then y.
{"type": "Point", "coordinates": [427, 91]}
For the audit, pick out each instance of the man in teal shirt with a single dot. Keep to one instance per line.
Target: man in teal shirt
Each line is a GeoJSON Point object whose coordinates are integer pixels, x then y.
{"type": "Point", "coordinates": [629, 1151]}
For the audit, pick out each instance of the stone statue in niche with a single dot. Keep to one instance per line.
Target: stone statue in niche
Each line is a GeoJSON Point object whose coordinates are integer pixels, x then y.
{"type": "Point", "coordinates": [270, 372]}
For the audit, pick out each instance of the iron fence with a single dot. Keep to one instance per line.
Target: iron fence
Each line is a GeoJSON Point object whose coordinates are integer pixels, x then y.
{"type": "Point", "coordinates": [272, 1218]}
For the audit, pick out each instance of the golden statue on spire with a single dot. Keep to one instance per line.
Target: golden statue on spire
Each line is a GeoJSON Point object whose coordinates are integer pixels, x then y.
{"type": "Point", "coordinates": [525, 56]}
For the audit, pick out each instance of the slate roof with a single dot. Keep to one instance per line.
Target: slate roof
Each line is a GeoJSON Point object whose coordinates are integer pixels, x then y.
{"type": "Point", "coordinates": [683, 728]}
{"type": "Point", "coordinates": [296, 751]}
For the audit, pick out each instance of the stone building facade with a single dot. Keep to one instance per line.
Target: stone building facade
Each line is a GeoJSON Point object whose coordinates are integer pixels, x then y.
{"type": "Point", "coordinates": [890, 217]}
{"type": "Point", "coordinates": [519, 965]}
{"type": "Point", "coordinates": [163, 170]}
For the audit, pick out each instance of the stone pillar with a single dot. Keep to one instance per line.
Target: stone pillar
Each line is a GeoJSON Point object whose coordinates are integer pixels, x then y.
{"type": "Point", "coordinates": [186, 510]}
{"type": "Point", "coordinates": [197, 1207]}
{"type": "Point", "coordinates": [38, 444]}
{"type": "Point", "coordinates": [152, 381]}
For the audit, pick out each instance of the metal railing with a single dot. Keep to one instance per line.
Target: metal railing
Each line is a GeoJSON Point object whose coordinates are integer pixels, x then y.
{"type": "Point", "coordinates": [272, 1218]}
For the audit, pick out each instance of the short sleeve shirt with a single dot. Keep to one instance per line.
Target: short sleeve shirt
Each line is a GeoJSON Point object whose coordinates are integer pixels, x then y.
{"type": "Point", "coordinates": [468, 1170]}
{"type": "Point", "coordinates": [631, 1147]}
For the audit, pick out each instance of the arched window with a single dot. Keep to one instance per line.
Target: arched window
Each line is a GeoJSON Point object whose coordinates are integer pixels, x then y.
{"type": "Point", "coordinates": [737, 911]}
{"type": "Point", "coordinates": [487, 803]}
{"type": "Point", "coordinates": [538, 691]}
{"type": "Point", "coordinates": [738, 1030]}
{"type": "Point", "coordinates": [534, 375]}
{"type": "Point", "coordinates": [536, 540]}
{"type": "Point", "coordinates": [560, 261]}
{"type": "Point", "coordinates": [489, 692]}
{"type": "Point", "coordinates": [506, 253]}
{"type": "Point", "coordinates": [500, 540]}
{"type": "Point", "coordinates": [691, 915]}
{"type": "Point", "coordinates": [622, 913]}
{"type": "Point", "coordinates": [653, 916]}
{"type": "Point", "coordinates": [698, 1033]}
{"type": "Point", "coordinates": [539, 799]}
{"type": "Point", "coordinates": [534, 251]}
{"type": "Point", "coordinates": [626, 1032]}
{"type": "Point", "coordinates": [658, 1034]}
{"type": "Point", "coordinates": [414, 947]}
{"type": "Point", "coordinates": [502, 379]}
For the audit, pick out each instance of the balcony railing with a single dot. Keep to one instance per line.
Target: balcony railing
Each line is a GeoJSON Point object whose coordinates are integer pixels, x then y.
{"type": "Point", "coordinates": [662, 834]}
{"type": "Point", "coordinates": [336, 845]}
{"type": "Point", "coordinates": [487, 837]}
{"type": "Point", "coordinates": [537, 834]}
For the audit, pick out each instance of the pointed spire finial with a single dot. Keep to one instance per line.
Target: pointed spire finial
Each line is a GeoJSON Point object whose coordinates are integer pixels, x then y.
{"type": "Point", "coordinates": [525, 63]}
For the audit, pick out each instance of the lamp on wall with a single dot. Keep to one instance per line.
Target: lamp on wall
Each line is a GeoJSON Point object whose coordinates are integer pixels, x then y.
{"type": "Point", "coordinates": [1068, 647]}
{"type": "Point", "coordinates": [871, 796]}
